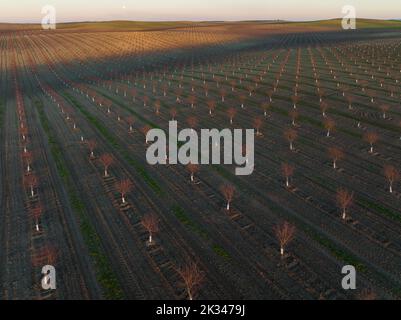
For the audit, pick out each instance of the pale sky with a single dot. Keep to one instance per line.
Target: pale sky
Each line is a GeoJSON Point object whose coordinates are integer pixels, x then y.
{"type": "Point", "coordinates": [148, 10]}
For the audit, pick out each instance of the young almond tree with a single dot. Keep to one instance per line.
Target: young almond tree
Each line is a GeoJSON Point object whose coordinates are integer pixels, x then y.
{"type": "Point", "coordinates": [211, 104]}
{"type": "Point", "coordinates": [336, 154]}
{"type": "Point", "coordinates": [231, 112]}
{"type": "Point", "coordinates": [173, 113]}
{"type": "Point", "coordinates": [28, 158]}
{"type": "Point", "coordinates": [130, 121]}
{"type": "Point", "coordinates": [384, 108]}
{"type": "Point", "coordinates": [157, 107]}
{"type": "Point", "coordinates": [192, 278]}
{"type": "Point", "coordinates": [192, 122]}
{"type": "Point", "coordinates": [324, 107]}
{"type": "Point", "coordinates": [258, 125]}
{"type": "Point", "coordinates": [228, 193]}
{"type": "Point", "coordinates": [371, 138]}
{"type": "Point", "coordinates": [350, 100]}
{"type": "Point", "coordinates": [192, 168]}
{"type": "Point", "coordinates": [329, 125]}
{"type": "Point", "coordinates": [344, 200]}
{"type": "Point", "coordinates": [91, 145]}
{"type": "Point", "coordinates": [392, 175]}
{"type": "Point", "coordinates": [285, 233]}
{"type": "Point", "coordinates": [123, 187]}
{"type": "Point", "coordinates": [294, 114]}
{"type": "Point", "coordinates": [242, 99]}
{"type": "Point", "coordinates": [36, 213]}
{"type": "Point", "coordinates": [145, 131]}
{"type": "Point", "coordinates": [291, 135]}
{"type": "Point", "coordinates": [151, 224]}
{"type": "Point", "coordinates": [107, 160]}
{"type": "Point", "coordinates": [31, 182]}
{"type": "Point", "coordinates": [295, 100]}
{"type": "Point", "coordinates": [192, 101]}
{"type": "Point", "coordinates": [287, 171]}
{"type": "Point", "coordinates": [265, 107]}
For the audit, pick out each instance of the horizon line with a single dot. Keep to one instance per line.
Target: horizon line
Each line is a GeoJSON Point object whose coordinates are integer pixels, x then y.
{"type": "Point", "coordinates": [196, 21]}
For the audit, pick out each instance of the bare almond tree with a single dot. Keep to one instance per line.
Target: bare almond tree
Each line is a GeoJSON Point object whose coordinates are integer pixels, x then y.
{"type": "Point", "coordinates": [295, 100]}
{"type": "Point", "coordinates": [28, 159]}
{"type": "Point", "coordinates": [173, 113]}
{"type": "Point", "coordinates": [151, 224]}
{"type": "Point", "coordinates": [106, 160]}
{"type": "Point", "coordinates": [36, 213]}
{"type": "Point", "coordinates": [31, 182]}
{"type": "Point", "coordinates": [329, 125]}
{"type": "Point", "coordinates": [294, 114]}
{"type": "Point", "coordinates": [211, 104]}
{"type": "Point", "coordinates": [265, 107]}
{"type": "Point", "coordinates": [392, 175]}
{"type": "Point", "coordinates": [371, 138]}
{"type": "Point", "coordinates": [336, 154]}
{"type": "Point", "coordinates": [231, 112]}
{"type": "Point", "coordinates": [192, 278]}
{"type": "Point", "coordinates": [324, 107]}
{"type": "Point", "coordinates": [91, 145]}
{"type": "Point", "coordinates": [291, 135]}
{"type": "Point", "coordinates": [258, 125]}
{"type": "Point", "coordinates": [228, 193]}
{"type": "Point", "coordinates": [145, 130]}
{"type": "Point", "coordinates": [384, 109]}
{"type": "Point", "coordinates": [157, 107]}
{"type": "Point", "coordinates": [192, 122]}
{"type": "Point", "coordinates": [130, 121]}
{"type": "Point", "coordinates": [288, 171]}
{"type": "Point", "coordinates": [192, 168]}
{"type": "Point", "coordinates": [344, 200]}
{"type": "Point", "coordinates": [285, 233]}
{"type": "Point", "coordinates": [192, 100]}
{"type": "Point", "coordinates": [123, 187]}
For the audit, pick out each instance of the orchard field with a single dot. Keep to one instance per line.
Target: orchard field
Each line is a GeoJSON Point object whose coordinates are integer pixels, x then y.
{"type": "Point", "coordinates": [76, 191]}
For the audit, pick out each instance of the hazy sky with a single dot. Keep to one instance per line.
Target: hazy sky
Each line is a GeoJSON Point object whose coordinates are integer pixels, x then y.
{"type": "Point", "coordinates": [81, 10]}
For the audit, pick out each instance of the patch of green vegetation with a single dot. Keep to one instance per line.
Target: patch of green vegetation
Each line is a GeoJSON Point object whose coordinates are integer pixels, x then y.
{"type": "Point", "coordinates": [185, 220]}
{"type": "Point", "coordinates": [104, 272]}
{"type": "Point", "coordinates": [380, 209]}
{"type": "Point", "coordinates": [114, 143]}
{"type": "Point", "coordinates": [221, 252]}
{"type": "Point", "coordinates": [338, 253]}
